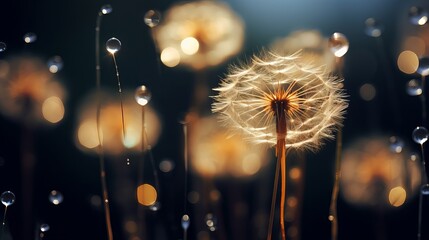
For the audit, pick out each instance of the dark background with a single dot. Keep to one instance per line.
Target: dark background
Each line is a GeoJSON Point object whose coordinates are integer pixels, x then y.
{"type": "Point", "coordinates": [66, 28]}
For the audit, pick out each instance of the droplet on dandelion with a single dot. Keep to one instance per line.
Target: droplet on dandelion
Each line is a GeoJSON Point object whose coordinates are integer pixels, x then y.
{"type": "Point", "coordinates": [113, 45]}
{"type": "Point", "coordinates": [423, 68]}
{"type": "Point", "coordinates": [155, 207]}
{"type": "Point", "coordinates": [420, 135]}
{"type": "Point", "coordinates": [106, 9]}
{"type": "Point", "coordinates": [7, 198]}
{"type": "Point", "coordinates": [142, 95]}
{"type": "Point", "coordinates": [338, 44]}
{"type": "Point", "coordinates": [414, 88]}
{"type": "Point", "coordinates": [396, 144]}
{"type": "Point", "coordinates": [56, 197]}
{"type": "Point", "coordinates": [55, 64]}
{"type": "Point", "coordinates": [415, 157]}
{"type": "Point", "coordinates": [417, 15]}
{"type": "Point", "coordinates": [152, 18]}
{"type": "Point", "coordinates": [30, 37]}
{"type": "Point", "coordinates": [44, 227]}
{"type": "Point", "coordinates": [211, 222]}
{"type": "Point", "coordinates": [373, 28]}
{"type": "Point", "coordinates": [185, 221]}
{"type": "Point", "coordinates": [2, 46]}
{"type": "Point", "coordinates": [425, 189]}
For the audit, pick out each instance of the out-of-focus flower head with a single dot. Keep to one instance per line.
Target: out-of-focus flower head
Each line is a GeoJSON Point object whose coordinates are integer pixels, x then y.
{"type": "Point", "coordinates": [314, 101]}
{"type": "Point", "coordinates": [312, 44]}
{"type": "Point", "coordinates": [215, 155]}
{"type": "Point", "coordinates": [199, 34]}
{"type": "Point", "coordinates": [374, 175]}
{"type": "Point", "coordinates": [29, 92]}
{"type": "Point", "coordinates": [111, 124]}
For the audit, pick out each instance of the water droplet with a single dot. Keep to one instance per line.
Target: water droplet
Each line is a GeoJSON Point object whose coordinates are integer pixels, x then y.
{"type": "Point", "coordinates": [30, 37]}
{"type": "Point", "coordinates": [2, 47]}
{"type": "Point", "coordinates": [414, 88]}
{"type": "Point", "coordinates": [423, 68]}
{"type": "Point", "coordinates": [185, 221]}
{"type": "Point", "coordinates": [155, 207]}
{"type": "Point", "coordinates": [55, 64]}
{"type": "Point", "coordinates": [56, 197]}
{"type": "Point", "coordinates": [7, 198]}
{"type": "Point", "coordinates": [152, 18]}
{"type": "Point", "coordinates": [106, 9]}
{"type": "Point", "coordinates": [415, 157]}
{"type": "Point", "coordinates": [373, 28]}
{"type": "Point", "coordinates": [417, 16]}
{"type": "Point", "coordinates": [113, 45]}
{"type": "Point", "coordinates": [211, 222]}
{"type": "Point", "coordinates": [338, 44]}
{"type": "Point", "coordinates": [331, 218]}
{"type": "Point", "coordinates": [425, 189]}
{"type": "Point", "coordinates": [396, 144]}
{"type": "Point", "coordinates": [44, 227]}
{"type": "Point", "coordinates": [420, 135]}
{"type": "Point", "coordinates": [142, 95]}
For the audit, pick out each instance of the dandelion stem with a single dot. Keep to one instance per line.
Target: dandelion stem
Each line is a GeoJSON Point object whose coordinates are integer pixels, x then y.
{"type": "Point", "coordinates": [333, 216]}
{"type": "Point", "coordinates": [273, 200]}
{"type": "Point", "coordinates": [100, 145]}
{"type": "Point", "coordinates": [280, 109]}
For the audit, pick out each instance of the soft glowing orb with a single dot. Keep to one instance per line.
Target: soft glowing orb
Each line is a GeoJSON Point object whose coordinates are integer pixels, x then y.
{"type": "Point", "coordinates": [53, 109]}
{"type": "Point", "coordinates": [146, 194]}
{"type": "Point", "coordinates": [170, 57]}
{"type": "Point", "coordinates": [397, 196]}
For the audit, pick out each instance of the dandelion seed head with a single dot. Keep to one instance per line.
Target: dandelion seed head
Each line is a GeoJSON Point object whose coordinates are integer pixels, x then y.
{"type": "Point", "coordinates": [313, 100]}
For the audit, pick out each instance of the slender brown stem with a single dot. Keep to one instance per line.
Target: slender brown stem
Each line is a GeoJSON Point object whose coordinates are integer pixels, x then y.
{"type": "Point", "coordinates": [333, 217]}
{"type": "Point", "coordinates": [273, 200]}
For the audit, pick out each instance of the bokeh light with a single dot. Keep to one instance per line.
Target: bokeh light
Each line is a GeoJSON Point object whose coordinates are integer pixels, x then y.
{"type": "Point", "coordinates": [146, 195]}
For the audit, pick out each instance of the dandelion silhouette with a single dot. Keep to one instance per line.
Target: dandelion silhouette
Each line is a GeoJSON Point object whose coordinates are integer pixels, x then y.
{"type": "Point", "coordinates": [282, 101]}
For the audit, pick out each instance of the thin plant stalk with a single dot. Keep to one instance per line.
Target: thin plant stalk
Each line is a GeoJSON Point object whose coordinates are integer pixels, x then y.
{"type": "Point", "coordinates": [280, 113]}
{"type": "Point", "coordinates": [333, 215]}
{"type": "Point", "coordinates": [100, 144]}
{"type": "Point", "coordinates": [185, 157]}
{"type": "Point", "coordinates": [120, 96]}
{"type": "Point", "coordinates": [273, 200]}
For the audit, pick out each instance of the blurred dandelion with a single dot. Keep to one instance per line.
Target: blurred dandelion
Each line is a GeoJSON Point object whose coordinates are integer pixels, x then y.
{"type": "Point", "coordinates": [282, 101]}
{"type": "Point", "coordinates": [199, 34]}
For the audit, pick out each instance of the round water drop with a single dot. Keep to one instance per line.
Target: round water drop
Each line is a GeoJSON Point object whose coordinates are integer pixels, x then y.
{"type": "Point", "coordinates": [30, 37]}
{"type": "Point", "coordinates": [414, 88]}
{"type": "Point", "coordinates": [211, 222]}
{"type": "Point", "coordinates": [420, 135]}
{"type": "Point", "coordinates": [155, 207]}
{"type": "Point", "coordinates": [425, 189]}
{"type": "Point", "coordinates": [7, 198]}
{"type": "Point", "coordinates": [185, 221]}
{"type": "Point", "coordinates": [55, 64]}
{"type": "Point", "coordinates": [423, 68]}
{"type": "Point", "coordinates": [338, 44]}
{"type": "Point", "coordinates": [373, 28]}
{"type": "Point", "coordinates": [2, 47]}
{"type": "Point", "coordinates": [106, 9]}
{"type": "Point", "coordinates": [142, 95]}
{"type": "Point", "coordinates": [414, 157]}
{"type": "Point", "coordinates": [396, 144]}
{"type": "Point", "coordinates": [44, 227]}
{"type": "Point", "coordinates": [113, 45]}
{"type": "Point", "coordinates": [417, 16]}
{"type": "Point", "coordinates": [152, 18]}
{"type": "Point", "coordinates": [55, 197]}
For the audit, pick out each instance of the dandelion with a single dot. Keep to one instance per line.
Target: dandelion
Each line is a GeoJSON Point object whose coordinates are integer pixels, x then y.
{"type": "Point", "coordinates": [282, 101]}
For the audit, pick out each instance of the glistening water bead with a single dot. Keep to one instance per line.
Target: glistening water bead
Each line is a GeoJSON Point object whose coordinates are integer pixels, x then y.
{"type": "Point", "coordinates": [417, 15]}
{"type": "Point", "coordinates": [423, 68]}
{"type": "Point", "coordinates": [338, 44]}
{"type": "Point", "coordinates": [44, 227]}
{"type": "Point", "coordinates": [185, 221]}
{"type": "Point", "coordinates": [373, 28]}
{"type": "Point", "coordinates": [152, 18]}
{"type": "Point", "coordinates": [420, 135]}
{"type": "Point", "coordinates": [30, 37]}
{"type": "Point", "coordinates": [113, 45]}
{"type": "Point", "coordinates": [106, 9]}
{"type": "Point", "coordinates": [7, 198]}
{"type": "Point", "coordinates": [55, 197]}
{"type": "Point", "coordinates": [211, 222]}
{"type": "Point", "coordinates": [414, 88]}
{"type": "Point", "coordinates": [142, 95]}
{"type": "Point", "coordinates": [2, 47]}
{"type": "Point", "coordinates": [425, 189]}
{"type": "Point", "coordinates": [55, 64]}
{"type": "Point", "coordinates": [396, 144]}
